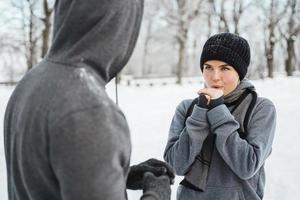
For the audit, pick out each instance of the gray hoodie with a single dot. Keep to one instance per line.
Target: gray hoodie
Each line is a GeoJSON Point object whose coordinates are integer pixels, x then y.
{"type": "Point", "coordinates": [64, 137]}
{"type": "Point", "coordinates": [237, 165]}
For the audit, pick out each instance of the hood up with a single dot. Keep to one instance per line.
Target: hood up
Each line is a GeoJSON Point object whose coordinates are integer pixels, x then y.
{"type": "Point", "coordinates": [97, 33]}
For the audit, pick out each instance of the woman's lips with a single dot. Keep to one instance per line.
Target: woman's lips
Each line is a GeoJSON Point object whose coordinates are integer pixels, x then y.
{"type": "Point", "coordinates": [218, 87]}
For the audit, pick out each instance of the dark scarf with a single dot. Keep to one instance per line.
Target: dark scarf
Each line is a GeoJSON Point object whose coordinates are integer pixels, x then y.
{"type": "Point", "coordinates": [197, 176]}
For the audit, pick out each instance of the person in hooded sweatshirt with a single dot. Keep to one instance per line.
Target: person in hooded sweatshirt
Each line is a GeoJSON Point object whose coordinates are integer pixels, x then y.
{"type": "Point", "coordinates": [64, 137]}
{"type": "Point", "coordinates": [220, 141]}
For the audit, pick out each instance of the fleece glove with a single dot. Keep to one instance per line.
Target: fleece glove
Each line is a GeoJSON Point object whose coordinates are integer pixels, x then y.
{"type": "Point", "coordinates": [156, 187]}
{"type": "Point", "coordinates": [157, 167]}
{"type": "Point", "coordinates": [202, 102]}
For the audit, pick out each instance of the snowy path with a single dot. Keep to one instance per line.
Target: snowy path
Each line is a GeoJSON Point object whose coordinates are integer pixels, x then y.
{"type": "Point", "coordinates": [149, 111]}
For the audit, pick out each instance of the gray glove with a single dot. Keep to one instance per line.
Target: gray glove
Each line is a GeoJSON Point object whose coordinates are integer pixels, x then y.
{"type": "Point", "coordinates": [156, 187]}
{"type": "Point", "coordinates": [157, 167]}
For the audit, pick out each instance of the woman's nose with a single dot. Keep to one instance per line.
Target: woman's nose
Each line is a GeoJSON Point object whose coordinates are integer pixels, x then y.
{"type": "Point", "coordinates": [215, 75]}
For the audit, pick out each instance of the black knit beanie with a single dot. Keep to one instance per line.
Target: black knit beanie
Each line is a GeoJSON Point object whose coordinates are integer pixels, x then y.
{"type": "Point", "coordinates": [229, 48]}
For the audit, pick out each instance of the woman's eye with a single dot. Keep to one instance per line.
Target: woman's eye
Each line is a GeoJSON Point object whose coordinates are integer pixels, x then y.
{"type": "Point", "coordinates": [207, 67]}
{"type": "Point", "coordinates": [225, 68]}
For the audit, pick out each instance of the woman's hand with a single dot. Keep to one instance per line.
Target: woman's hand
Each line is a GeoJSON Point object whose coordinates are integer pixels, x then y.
{"type": "Point", "coordinates": [211, 93]}
{"type": "Point", "coordinates": [214, 97]}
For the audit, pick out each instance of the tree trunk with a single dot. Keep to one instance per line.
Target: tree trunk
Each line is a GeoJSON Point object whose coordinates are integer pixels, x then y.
{"type": "Point", "coordinates": [289, 67]}
{"type": "Point", "coordinates": [290, 48]}
{"type": "Point", "coordinates": [270, 57]}
{"type": "Point", "coordinates": [147, 70]}
{"type": "Point", "coordinates": [30, 37]}
{"type": "Point", "coordinates": [209, 23]}
{"type": "Point", "coordinates": [271, 41]}
{"type": "Point", "coordinates": [270, 65]}
{"type": "Point", "coordinates": [181, 55]}
{"type": "Point", "coordinates": [31, 58]}
{"type": "Point", "coordinates": [182, 17]}
{"type": "Point", "coordinates": [210, 16]}
{"type": "Point", "coordinates": [270, 51]}
{"type": "Point", "coordinates": [235, 17]}
{"type": "Point", "coordinates": [223, 27]}
{"type": "Point", "coordinates": [237, 12]}
{"type": "Point", "coordinates": [47, 28]}
{"type": "Point", "coordinates": [182, 39]}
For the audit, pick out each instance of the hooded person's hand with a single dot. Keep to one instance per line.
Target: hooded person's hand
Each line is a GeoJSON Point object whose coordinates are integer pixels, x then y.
{"type": "Point", "coordinates": [156, 186]}
{"type": "Point", "coordinates": [156, 167]}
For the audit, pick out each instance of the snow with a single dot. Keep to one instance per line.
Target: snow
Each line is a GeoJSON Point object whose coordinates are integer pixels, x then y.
{"type": "Point", "coordinates": [4, 95]}
{"type": "Point", "coordinates": [149, 110]}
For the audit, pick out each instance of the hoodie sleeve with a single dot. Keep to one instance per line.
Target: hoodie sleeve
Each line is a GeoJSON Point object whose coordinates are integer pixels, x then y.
{"type": "Point", "coordinates": [185, 142]}
{"type": "Point", "coordinates": [89, 153]}
{"type": "Point", "coordinates": [244, 157]}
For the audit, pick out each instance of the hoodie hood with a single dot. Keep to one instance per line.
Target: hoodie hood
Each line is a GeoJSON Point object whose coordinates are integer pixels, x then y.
{"type": "Point", "coordinates": [236, 93]}
{"type": "Point", "coordinates": [100, 34]}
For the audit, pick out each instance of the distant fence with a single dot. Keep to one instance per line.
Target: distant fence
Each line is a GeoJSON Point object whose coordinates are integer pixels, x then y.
{"type": "Point", "coordinates": [8, 83]}
{"type": "Point", "coordinates": [154, 81]}
{"type": "Point", "coordinates": [140, 81]}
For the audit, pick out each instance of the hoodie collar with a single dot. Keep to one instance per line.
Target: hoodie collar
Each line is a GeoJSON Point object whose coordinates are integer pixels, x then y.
{"type": "Point", "coordinates": [236, 93]}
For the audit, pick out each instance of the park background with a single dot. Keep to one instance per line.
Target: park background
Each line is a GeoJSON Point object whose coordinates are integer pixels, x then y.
{"type": "Point", "coordinates": [164, 70]}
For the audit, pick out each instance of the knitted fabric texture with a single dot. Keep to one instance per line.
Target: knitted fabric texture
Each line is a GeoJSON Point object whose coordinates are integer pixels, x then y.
{"type": "Point", "coordinates": [229, 48]}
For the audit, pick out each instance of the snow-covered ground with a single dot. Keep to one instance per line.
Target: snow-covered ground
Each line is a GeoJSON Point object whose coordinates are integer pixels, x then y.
{"type": "Point", "coordinates": [149, 111]}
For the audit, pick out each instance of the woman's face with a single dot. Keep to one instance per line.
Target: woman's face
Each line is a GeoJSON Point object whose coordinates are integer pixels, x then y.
{"type": "Point", "coordinates": [220, 75]}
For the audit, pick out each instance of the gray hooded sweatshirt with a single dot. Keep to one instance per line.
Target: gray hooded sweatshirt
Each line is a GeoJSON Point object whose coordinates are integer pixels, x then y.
{"type": "Point", "coordinates": [64, 137]}
{"type": "Point", "coordinates": [237, 165]}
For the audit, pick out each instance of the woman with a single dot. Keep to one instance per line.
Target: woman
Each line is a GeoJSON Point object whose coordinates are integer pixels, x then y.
{"type": "Point", "coordinates": [222, 146]}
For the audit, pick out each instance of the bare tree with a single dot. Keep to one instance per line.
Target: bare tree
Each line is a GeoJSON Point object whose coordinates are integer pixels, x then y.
{"type": "Point", "coordinates": [273, 16]}
{"type": "Point", "coordinates": [149, 19]}
{"type": "Point", "coordinates": [239, 7]}
{"type": "Point", "coordinates": [210, 13]}
{"type": "Point", "coordinates": [233, 18]}
{"type": "Point", "coordinates": [34, 28]}
{"type": "Point", "coordinates": [29, 23]}
{"type": "Point", "coordinates": [146, 69]}
{"type": "Point", "coordinates": [223, 24]}
{"type": "Point", "coordinates": [293, 30]}
{"type": "Point", "coordinates": [181, 13]}
{"type": "Point", "coordinates": [32, 37]}
{"type": "Point", "coordinates": [47, 11]}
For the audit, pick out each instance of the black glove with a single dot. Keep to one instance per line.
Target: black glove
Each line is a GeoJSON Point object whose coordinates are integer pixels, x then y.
{"type": "Point", "coordinates": [202, 102]}
{"type": "Point", "coordinates": [157, 167]}
{"type": "Point", "coordinates": [156, 186]}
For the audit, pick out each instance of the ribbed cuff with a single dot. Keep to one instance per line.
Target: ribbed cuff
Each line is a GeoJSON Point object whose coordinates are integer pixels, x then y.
{"type": "Point", "coordinates": [150, 195]}
{"type": "Point", "coordinates": [218, 115]}
{"type": "Point", "coordinates": [199, 114]}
